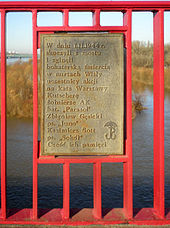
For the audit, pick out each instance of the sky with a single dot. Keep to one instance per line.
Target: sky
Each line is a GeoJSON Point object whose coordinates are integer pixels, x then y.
{"type": "Point", "coordinates": [19, 26]}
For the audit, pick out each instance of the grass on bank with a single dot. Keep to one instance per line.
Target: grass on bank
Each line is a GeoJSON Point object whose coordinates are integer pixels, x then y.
{"type": "Point", "coordinates": [20, 88]}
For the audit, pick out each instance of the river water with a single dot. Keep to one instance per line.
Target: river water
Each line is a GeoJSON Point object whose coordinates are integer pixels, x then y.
{"type": "Point", "coordinates": [14, 60]}
{"type": "Point", "coordinates": [50, 192]}
{"type": "Point", "coordinates": [19, 168]}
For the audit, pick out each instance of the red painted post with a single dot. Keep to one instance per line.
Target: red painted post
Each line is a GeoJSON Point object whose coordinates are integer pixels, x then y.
{"type": "Point", "coordinates": [3, 117]}
{"type": "Point", "coordinates": [96, 18]}
{"type": "Point", "coordinates": [158, 26]}
{"type": "Point", "coordinates": [97, 197]}
{"type": "Point", "coordinates": [127, 166]}
{"type": "Point", "coordinates": [66, 190]}
{"type": "Point", "coordinates": [66, 18]}
{"type": "Point", "coordinates": [35, 117]}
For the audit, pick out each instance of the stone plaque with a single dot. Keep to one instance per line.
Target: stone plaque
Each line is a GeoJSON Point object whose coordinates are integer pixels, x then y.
{"type": "Point", "coordinates": [82, 94]}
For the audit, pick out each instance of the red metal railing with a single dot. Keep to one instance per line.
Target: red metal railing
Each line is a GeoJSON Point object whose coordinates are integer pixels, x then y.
{"type": "Point", "coordinates": [155, 215]}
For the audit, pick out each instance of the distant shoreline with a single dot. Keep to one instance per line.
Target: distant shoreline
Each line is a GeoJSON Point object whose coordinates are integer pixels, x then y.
{"type": "Point", "coordinates": [20, 91]}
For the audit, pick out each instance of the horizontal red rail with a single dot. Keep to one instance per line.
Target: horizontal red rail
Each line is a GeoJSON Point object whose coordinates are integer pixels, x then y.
{"type": "Point", "coordinates": [84, 28]}
{"type": "Point", "coordinates": [83, 159]}
{"type": "Point", "coordinates": [137, 5]}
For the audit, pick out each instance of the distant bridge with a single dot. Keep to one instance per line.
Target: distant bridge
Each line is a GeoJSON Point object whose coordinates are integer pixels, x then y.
{"type": "Point", "coordinates": [17, 55]}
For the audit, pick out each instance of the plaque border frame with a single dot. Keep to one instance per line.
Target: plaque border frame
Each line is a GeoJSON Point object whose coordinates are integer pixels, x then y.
{"type": "Point", "coordinates": [123, 68]}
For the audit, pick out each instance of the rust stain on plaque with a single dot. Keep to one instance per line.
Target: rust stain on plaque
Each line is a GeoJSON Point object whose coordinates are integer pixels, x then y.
{"type": "Point", "coordinates": [82, 94]}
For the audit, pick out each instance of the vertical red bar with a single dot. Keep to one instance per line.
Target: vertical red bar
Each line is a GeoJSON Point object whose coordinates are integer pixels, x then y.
{"type": "Point", "coordinates": [97, 197]}
{"type": "Point", "coordinates": [66, 18]}
{"type": "Point", "coordinates": [3, 117]}
{"type": "Point", "coordinates": [127, 166]}
{"type": "Point", "coordinates": [158, 26]}
{"type": "Point", "coordinates": [66, 190]}
{"type": "Point", "coordinates": [96, 18]}
{"type": "Point", "coordinates": [35, 117]}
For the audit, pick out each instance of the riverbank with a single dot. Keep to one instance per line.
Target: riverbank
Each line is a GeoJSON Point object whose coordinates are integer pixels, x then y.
{"type": "Point", "coordinates": [20, 90]}
{"type": "Point", "coordinates": [145, 76]}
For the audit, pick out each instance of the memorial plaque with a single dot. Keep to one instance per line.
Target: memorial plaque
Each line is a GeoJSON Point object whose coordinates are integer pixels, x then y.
{"type": "Point", "coordinates": [82, 94]}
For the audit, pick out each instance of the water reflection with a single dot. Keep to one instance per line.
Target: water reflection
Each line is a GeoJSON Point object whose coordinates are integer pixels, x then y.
{"type": "Point", "coordinates": [143, 152]}
{"type": "Point", "coordinates": [19, 171]}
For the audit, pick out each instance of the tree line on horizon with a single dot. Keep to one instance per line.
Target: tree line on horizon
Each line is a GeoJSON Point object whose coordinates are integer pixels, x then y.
{"type": "Point", "coordinates": [142, 54]}
{"type": "Point", "coordinates": [142, 62]}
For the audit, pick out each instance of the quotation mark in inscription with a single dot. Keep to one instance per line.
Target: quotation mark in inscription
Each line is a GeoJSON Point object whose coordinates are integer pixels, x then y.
{"type": "Point", "coordinates": [112, 127]}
